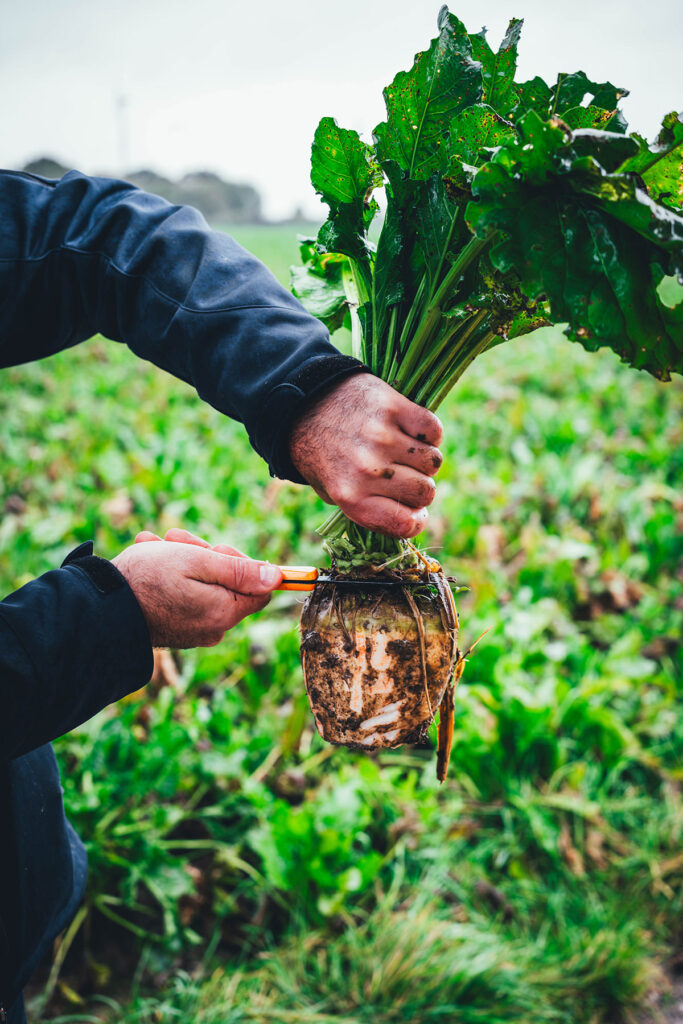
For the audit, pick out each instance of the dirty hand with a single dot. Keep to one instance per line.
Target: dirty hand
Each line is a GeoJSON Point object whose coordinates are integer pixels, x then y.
{"type": "Point", "coordinates": [373, 452]}
{"type": "Point", "coordinates": [190, 594]}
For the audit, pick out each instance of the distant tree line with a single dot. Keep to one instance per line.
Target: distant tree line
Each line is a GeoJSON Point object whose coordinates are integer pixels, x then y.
{"type": "Point", "coordinates": [221, 202]}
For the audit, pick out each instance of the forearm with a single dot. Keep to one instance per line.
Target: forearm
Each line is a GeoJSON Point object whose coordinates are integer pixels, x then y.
{"type": "Point", "coordinates": [86, 255]}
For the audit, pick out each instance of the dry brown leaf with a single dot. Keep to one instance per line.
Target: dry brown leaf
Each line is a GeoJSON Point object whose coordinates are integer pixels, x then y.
{"type": "Point", "coordinates": [272, 493]}
{"type": "Point", "coordinates": [497, 899]}
{"type": "Point", "coordinates": [15, 505]}
{"type": "Point", "coordinates": [118, 509]}
{"type": "Point", "coordinates": [191, 905]}
{"type": "Point", "coordinates": [570, 854]}
{"type": "Point", "coordinates": [625, 593]}
{"type": "Point", "coordinates": [595, 843]}
{"type": "Point", "coordinates": [165, 671]}
{"type": "Point", "coordinates": [671, 865]}
{"type": "Point", "coordinates": [491, 542]}
{"type": "Point", "coordinates": [595, 510]}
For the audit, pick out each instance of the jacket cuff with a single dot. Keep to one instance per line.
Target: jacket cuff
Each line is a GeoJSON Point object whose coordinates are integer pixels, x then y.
{"type": "Point", "coordinates": [103, 574]}
{"type": "Point", "coordinates": [287, 402]}
{"type": "Point", "coordinates": [131, 644]}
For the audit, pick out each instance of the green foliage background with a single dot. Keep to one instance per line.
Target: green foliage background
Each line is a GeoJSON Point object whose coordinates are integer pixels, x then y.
{"type": "Point", "coordinates": [240, 869]}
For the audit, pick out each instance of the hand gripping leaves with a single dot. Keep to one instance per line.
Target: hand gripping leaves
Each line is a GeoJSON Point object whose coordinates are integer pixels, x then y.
{"type": "Point", "coordinates": [508, 206]}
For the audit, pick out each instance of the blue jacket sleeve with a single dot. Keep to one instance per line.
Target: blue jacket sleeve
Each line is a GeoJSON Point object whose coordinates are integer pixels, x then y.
{"type": "Point", "coordinates": [84, 255]}
{"type": "Point", "coordinates": [71, 642]}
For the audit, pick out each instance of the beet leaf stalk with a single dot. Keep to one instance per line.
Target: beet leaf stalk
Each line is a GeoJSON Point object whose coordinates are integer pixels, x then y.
{"type": "Point", "coordinates": [509, 206]}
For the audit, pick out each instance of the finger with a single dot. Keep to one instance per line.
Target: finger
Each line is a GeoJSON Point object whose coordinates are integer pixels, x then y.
{"type": "Point", "coordinates": [144, 536]}
{"type": "Point", "coordinates": [239, 574]}
{"type": "Point", "coordinates": [227, 549]}
{"type": "Point", "coordinates": [231, 608]}
{"type": "Point", "coordinates": [407, 486]}
{"type": "Point", "coordinates": [420, 423]}
{"type": "Point", "coordinates": [178, 536]}
{"type": "Point", "coordinates": [385, 515]}
{"type": "Point", "coordinates": [425, 458]}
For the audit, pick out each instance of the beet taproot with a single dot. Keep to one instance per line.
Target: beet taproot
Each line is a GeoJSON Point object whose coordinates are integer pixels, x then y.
{"type": "Point", "coordinates": [377, 661]}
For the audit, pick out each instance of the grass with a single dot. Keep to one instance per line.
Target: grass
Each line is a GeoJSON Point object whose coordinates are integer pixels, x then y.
{"type": "Point", "coordinates": [240, 869]}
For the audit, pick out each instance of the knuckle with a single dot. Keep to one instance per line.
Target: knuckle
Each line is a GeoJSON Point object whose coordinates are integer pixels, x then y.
{"type": "Point", "coordinates": [377, 432]}
{"type": "Point", "coordinates": [417, 492]}
{"type": "Point", "coordinates": [386, 409]}
{"type": "Point", "coordinates": [404, 522]}
{"type": "Point", "coordinates": [426, 426]}
{"type": "Point", "coordinates": [427, 491]}
{"type": "Point", "coordinates": [239, 572]}
{"type": "Point", "coordinates": [418, 522]}
{"type": "Point", "coordinates": [366, 463]}
{"type": "Point", "coordinates": [436, 429]}
{"type": "Point", "coordinates": [375, 465]}
{"type": "Point", "coordinates": [427, 460]}
{"type": "Point", "coordinates": [434, 460]}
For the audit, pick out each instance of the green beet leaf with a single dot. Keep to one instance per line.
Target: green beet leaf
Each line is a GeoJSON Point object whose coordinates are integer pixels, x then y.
{"type": "Point", "coordinates": [498, 69]}
{"type": "Point", "coordinates": [532, 95]}
{"type": "Point", "coordinates": [342, 167]}
{"type": "Point", "coordinates": [566, 99]}
{"type": "Point", "coordinates": [590, 242]}
{"type": "Point", "coordinates": [661, 165]}
{"type": "Point", "coordinates": [569, 92]}
{"type": "Point", "coordinates": [421, 102]}
{"type": "Point", "coordinates": [344, 173]}
{"type": "Point", "coordinates": [440, 230]}
{"type": "Point", "coordinates": [609, 149]}
{"type": "Point", "coordinates": [589, 117]}
{"type": "Point", "coordinates": [319, 284]}
{"type": "Point", "coordinates": [473, 131]}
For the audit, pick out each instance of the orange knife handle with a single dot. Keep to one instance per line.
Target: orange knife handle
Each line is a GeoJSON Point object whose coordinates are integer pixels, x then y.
{"type": "Point", "coordinates": [298, 577]}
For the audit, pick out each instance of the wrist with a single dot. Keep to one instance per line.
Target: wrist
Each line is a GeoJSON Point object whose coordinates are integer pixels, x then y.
{"type": "Point", "coordinates": [289, 402]}
{"type": "Point", "coordinates": [104, 575]}
{"type": "Point", "coordinates": [325, 409]}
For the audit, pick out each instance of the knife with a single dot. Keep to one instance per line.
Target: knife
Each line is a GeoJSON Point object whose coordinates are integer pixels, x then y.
{"type": "Point", "coordinates": [305, 577]}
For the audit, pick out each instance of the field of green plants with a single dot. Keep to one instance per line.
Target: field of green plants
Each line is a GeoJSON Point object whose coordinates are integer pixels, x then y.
{"type": "Point", "coordinates": [241, 870]}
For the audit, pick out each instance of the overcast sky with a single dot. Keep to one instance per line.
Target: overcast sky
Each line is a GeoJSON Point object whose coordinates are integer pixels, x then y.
{"type": "Point", "coordinates": [180, 85]}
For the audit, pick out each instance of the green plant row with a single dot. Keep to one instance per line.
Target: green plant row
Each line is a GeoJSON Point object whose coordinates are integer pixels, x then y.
{"type": "Point", "coordinates": [216, 820]}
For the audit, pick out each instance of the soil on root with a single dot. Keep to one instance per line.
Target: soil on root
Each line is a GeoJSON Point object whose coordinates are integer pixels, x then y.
{"type": "Point", "coordinates": [376, 664]}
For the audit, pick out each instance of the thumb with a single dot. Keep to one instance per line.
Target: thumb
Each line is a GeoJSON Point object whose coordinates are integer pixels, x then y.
{"type": "Point", "coordinates": [240, 574]}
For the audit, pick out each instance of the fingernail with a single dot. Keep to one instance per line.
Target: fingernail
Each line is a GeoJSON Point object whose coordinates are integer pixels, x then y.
{"type": "Point", "coordinates": [270, 574]}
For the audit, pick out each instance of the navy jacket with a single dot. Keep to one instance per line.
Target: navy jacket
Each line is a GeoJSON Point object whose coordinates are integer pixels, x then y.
{"type": "Point", "coordinates": [82, 256]}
